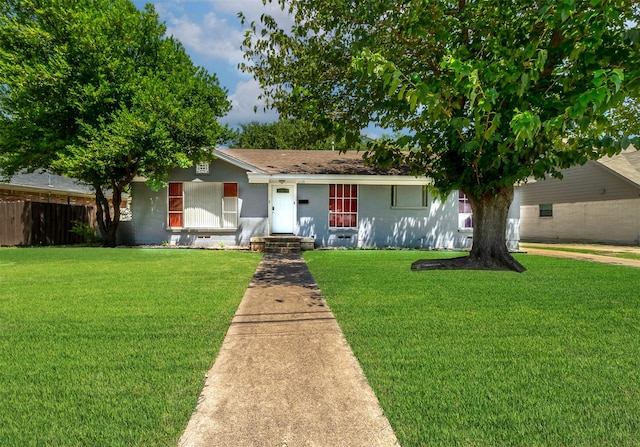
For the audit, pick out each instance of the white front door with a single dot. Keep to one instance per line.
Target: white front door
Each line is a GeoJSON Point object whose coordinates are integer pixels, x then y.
{"type": "Point", "coordinates": [283, 208]}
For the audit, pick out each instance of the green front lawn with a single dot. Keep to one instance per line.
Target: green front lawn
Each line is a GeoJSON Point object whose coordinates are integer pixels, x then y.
{"type": "Point", "coordinates": [549, 357]}
{"type": "Point", "coordinates": [109, 347]}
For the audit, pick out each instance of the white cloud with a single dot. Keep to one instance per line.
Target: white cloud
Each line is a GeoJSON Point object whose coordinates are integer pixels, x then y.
{"type": "Point", "coordinates": [213, 39]}
{"type": "Point", "coordinates": [243, 100]}
{"type": "Point", "coordinates": [252, 9]}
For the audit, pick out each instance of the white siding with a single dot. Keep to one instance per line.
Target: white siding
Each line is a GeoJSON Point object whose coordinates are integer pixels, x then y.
{"type": "Point", "coordinates": [589, 183]}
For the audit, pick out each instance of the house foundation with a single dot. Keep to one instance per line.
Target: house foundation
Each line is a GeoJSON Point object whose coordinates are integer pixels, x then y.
{"type": "Point", "coordinates": [282, 244]}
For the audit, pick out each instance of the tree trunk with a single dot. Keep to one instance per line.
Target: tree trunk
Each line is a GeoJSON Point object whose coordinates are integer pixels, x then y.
{"type": "Point", "coordinates": [489, 250]}
{"type": "Point", "coordinates": [108, 225]}
{"type": "Point", "coordinates": [490, 215]}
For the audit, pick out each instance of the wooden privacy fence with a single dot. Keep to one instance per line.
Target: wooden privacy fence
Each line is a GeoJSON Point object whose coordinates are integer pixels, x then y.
{"type": "Point", "coordinates": [37, 223]}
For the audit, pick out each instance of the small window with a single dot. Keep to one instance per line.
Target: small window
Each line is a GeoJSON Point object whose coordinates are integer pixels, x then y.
{"type": "Point", "coordinates": [546, 210]}
{"type": "Point", "coordinates": [465, 214]}
{"type": "Point", "coordinates": [409, 197]}
{"type": "Point", "coordinates": [343, 206]}
{"type": "Point", "coordinates": [202, 168]}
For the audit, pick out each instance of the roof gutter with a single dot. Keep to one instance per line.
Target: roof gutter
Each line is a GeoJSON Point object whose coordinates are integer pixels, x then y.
{"type": "Point", "coordinates": [327, 179]}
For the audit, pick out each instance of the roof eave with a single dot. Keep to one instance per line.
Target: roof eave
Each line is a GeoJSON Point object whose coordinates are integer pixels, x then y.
{"type": "Point", "coordinates": [616, 173]}
{"type": "Point", "coordinates": [327, 179]}
{"type": "Point", "coordinates": [236, 162]}
{"type": "Point", "coordinates": [44, 189]}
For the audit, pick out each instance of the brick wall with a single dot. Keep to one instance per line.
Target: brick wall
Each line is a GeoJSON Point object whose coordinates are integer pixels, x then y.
{"type": "Point", "coordinates": [614, 221]}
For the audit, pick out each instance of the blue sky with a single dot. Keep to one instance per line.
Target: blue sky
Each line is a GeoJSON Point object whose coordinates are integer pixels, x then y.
{"type": "Point", "coordinates": [211, 33]}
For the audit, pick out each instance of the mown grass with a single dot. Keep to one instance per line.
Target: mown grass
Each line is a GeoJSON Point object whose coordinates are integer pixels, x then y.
{"type": "Point", "coordinates": [110, 346]}
{"type": "Point", "coordinates": [549, 357]}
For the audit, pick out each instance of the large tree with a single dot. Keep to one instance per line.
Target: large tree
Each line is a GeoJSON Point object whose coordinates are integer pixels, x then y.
{"type": "Point", "coordinates": [92, 89]}
{"type": "Point", "coordinates": [487, 93]}
{"type": "Point", "coordinates": [286, 134]}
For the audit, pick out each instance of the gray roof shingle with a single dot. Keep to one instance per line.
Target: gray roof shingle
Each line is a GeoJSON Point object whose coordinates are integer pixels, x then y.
{"type": "Point", "coordinates": [44, 180]}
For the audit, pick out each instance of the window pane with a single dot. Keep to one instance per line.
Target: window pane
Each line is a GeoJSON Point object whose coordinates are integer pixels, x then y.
{"type": "Point", "coordinates": [343, 206]}
{"type": "Point", "coordinates": [546, 210]}
{"type": "Point", "coordinates": [468, 222]}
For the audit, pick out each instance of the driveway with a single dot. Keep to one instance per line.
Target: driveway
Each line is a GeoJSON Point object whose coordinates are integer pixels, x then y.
{"type": "Point", "coordinates": [555, 250]}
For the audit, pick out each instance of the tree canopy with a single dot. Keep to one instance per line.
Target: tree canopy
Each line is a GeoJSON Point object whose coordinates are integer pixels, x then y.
{"type": "Point", "coordinates": [94, 90]}
{"type": "Point", "coordinates": [286, 134]}
{"type": "Point", "coordinates": [486, 94]}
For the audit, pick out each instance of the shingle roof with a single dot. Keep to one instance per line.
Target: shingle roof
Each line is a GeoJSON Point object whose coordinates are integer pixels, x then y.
{"type": "Point", "coordinates": [44, 180]}
{"type": "Point", "coordinates": [275, 161]}
{"type": "Point", "coordinates": [626, 164]}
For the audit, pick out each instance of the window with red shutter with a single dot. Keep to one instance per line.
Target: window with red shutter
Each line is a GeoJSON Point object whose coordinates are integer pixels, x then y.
{"type": "Point", "coordinates": [343, 206]}
{"type": "Point", "coordinates": [203, 205]}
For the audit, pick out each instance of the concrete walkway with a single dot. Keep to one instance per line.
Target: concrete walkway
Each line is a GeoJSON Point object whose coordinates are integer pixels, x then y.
{"type": "Point", "coordinates": [285, 375]}
{"type": "Point", "coordinates": [555, 250]}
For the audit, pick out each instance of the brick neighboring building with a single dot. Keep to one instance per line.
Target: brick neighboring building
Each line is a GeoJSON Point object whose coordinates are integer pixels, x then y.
{"type": "Point", "coordinates": [598, 202]}
{"type": "Point", "coordinates": [43, 186]}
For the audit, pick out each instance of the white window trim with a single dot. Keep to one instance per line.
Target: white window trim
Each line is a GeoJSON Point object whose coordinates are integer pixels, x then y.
{"type": "Point", "coordinates": [226, 215]}
{"type": "Point", "coordinates": [202, 168]}
{"type": "Point", "coordinates": [462, 229]}
{"type": "Point", "coordinates": [357, 213]}
{"type": "Point", "coordinates": [425, 199]}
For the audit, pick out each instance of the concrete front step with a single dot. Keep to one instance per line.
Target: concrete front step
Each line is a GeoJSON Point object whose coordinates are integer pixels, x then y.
{"type": "Point", "coordinates": [282, 244]}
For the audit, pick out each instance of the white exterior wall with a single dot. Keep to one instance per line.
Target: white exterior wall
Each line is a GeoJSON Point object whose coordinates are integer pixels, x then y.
{"type": "Point", "coordinates": [381, 225]}
{"type": "Point", "coordinates": [615, 221]}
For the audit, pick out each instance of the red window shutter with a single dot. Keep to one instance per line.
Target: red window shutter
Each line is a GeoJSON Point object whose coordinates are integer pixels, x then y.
{"type": "Point", "coordinates": [231, 190]}
{"type": "Point", "coordinates": [175, 189]}
{"type": "Point", "coordinates": [175, 220]}
{"type": "Point", "coordinates": [175, 205]}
